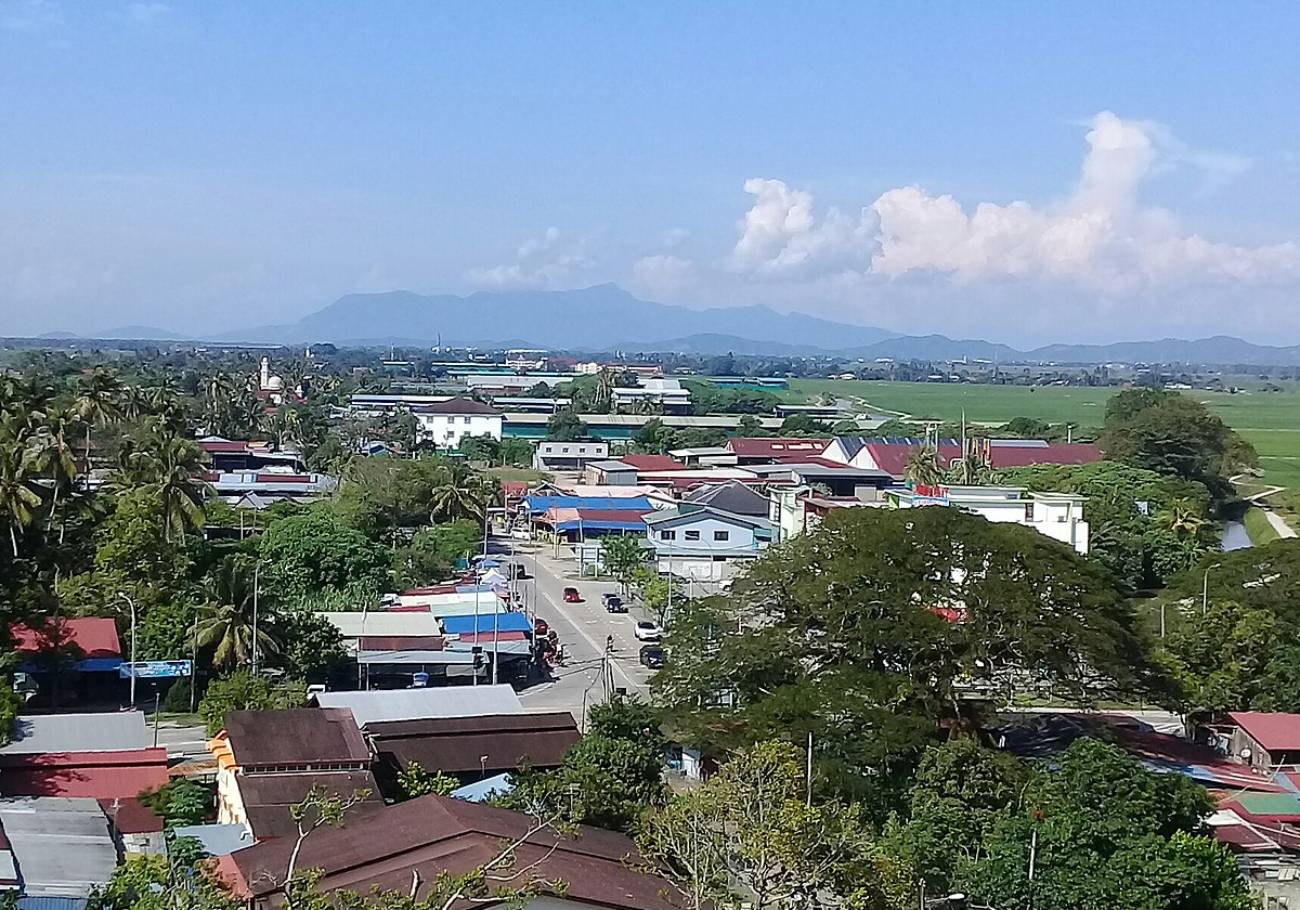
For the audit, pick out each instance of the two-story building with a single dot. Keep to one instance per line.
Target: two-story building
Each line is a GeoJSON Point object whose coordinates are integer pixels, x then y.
{"type": "Point", "coordinates": [699, 541]}
{"type": "Point", "coordinates": [572, 455]}
{"type": "Point", "coordinates": [446, 423]}
{"type": "Point", "coordinates": [1056, 515]}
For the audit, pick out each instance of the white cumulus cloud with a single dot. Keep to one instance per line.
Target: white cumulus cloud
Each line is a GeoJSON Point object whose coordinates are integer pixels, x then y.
{"type": "Point", "coordinates": [1099, 236]}
{"type": "Point", "coordinates": [549, 260]}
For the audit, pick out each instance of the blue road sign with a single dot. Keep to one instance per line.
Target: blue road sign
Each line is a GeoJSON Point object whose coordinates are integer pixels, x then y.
{"type": "Point", "coordinates": [155, 669]}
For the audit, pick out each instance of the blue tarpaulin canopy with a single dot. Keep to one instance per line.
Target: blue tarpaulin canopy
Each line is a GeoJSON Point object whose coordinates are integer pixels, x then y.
{"type": "Point", "coordinates": [504, 622]}
{"type": "Point", "coordinates": [539, 504]}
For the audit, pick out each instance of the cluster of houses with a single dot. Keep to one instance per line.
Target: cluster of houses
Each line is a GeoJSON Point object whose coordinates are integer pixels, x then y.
{"type": "Point", "coordinates": [71, 785]}
{"type": "Point", "coordinates": [703, 511]}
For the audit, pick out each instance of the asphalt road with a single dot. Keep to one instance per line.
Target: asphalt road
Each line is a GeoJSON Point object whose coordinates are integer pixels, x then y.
{"type": "Point", "coordinates": [582, 629]}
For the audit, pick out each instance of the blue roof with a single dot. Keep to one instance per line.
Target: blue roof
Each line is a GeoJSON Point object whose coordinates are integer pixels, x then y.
{"type": "Point", "coordinates": [485, 789]}
{"type": "Point", "coordinates": [504, 622]}
{"type": "Point", "coordinates": [539, 504]}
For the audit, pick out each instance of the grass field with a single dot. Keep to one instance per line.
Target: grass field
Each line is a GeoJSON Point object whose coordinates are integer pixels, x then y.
{"type": "Point", "coordinates": [1270, 420]}
{"type": "Point", "coordinates": [1259, 528]}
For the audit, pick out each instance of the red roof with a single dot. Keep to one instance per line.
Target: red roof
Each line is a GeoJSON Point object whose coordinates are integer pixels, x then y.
{"type": "Point", "coordinates": [611, 514]}
{"type": "Point", "coordinates": [892, 457]}
{"type": "Point", "coordinates": [95, 636]}
{"type": "Point", "coordinates": [776, 446]}
{"type": "Point", "coordinates": [514, 487]}
{"type": "Point", "coordinates": [223, 446]}
{"type": "Point", "coordinates": [652, 463]}
{"type": "Point", "coordinates": [130, 816]}
{"type": "Point", "coordinates": [96, 775]}
{"type": "Point", "coordinates": [1272, 730]}
{"type": "Point", "coordinates": [1055, 453]}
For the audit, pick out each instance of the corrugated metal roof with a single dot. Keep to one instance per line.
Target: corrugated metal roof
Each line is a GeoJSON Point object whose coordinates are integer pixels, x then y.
{"type": "Point", "coordinates": [295, 736]}
{"type": "Point", "coordinates": [62, 846]}
{"type": "Point", "coordinates": [116, 732]}
{"type": "Point", "coordinates": [383, 622]}
{"type": "Point", "coordinates": [217, 840]}
{"type": "Point", "coordinates": [97, 775]}
{"type": "Point", "coordinates": [1274, 731]}
{"type": "Point", "coordinates": [458, 745]}
{"type": "Point", "coordinates": [414, 704]}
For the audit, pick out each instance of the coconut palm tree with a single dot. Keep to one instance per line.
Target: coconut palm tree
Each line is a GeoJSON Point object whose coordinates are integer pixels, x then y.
{"type": "Point", "coordinates": [287, 427]}
{"type": "Point", "coordinates": [173, 467]}
{"type": "Point", "coordinates": [49, 451]}
{"type": "Point", "coordinates": [603, 395]}
{"type": "Point", "coordinates": [227, 623]}
{"type": "Point", "coordinates": [136, 402]}
{"type": "Point", "coordinates": [1183, 517]}
{"type": "Point", "coordinates": [18, 500]}
{"type": "Point", "coordinates": [923, 468]}
{"type": "Point", "coordinates": [462, 493]}
{"type": "Point", "coordinates": [98, 403]}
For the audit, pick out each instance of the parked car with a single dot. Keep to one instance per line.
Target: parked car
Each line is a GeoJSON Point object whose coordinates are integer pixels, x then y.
{"type": "Point", "coordinates": [652, 656]}
{"type": "Point", "coordinates": [571, 596]}
{"type": "Point", "coordinates": [648, 630]}
{"type": "Point", "coordinates": [613, 603]}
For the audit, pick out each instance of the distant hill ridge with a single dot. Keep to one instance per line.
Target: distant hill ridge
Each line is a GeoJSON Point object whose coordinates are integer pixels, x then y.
{"type": "Point", "coordinates": [607, 318]}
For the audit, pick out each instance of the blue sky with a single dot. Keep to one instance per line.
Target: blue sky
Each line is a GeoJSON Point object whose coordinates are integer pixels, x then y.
{"type": "Point", "coordinates": [208, 166]}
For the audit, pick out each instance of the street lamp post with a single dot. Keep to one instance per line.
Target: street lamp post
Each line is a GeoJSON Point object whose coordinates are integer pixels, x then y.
{"type": "Point", "coordinates": [131, 603]}
{"type": "Point", "coordinates": [1205, 589]}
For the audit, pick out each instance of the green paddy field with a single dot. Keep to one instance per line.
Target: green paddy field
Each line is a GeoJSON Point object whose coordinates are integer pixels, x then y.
{"type": "Point", "coordinates": [1270, 420]}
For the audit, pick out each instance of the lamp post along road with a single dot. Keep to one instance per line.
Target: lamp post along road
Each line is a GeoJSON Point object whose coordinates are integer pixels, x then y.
{"type": "Point", "coordinates": [131, 603]}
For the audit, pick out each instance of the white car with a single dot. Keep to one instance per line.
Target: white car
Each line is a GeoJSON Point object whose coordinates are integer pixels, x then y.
{"type": "Point", "coordinates": [647, 630]}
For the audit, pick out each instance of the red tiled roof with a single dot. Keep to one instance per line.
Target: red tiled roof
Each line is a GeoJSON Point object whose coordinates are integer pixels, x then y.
{"type": "Point", "coordinates": [776, 446]}
{"type": "Point", "coordinates": [95, 636]}
{"type": "Point", "coordinates": [653, 463]}
{"type": "Point", "coordinates": [1272, 730]}
{"type": "Point", "coordinates": [97, 775]}
{"type": "Point", "coordinates": [514, 487]}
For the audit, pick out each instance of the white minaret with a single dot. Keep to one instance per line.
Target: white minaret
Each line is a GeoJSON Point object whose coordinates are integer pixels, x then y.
{"type": "Point", "coordinates": [266, 373]}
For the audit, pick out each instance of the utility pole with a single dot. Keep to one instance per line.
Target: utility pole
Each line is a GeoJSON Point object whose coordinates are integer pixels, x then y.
{"type": "Point", "coordinates": [194, 661]}
{"type": "Point", "coordinates": [810, 754]}
{"type": "Point", "coordinates": [257, 568]}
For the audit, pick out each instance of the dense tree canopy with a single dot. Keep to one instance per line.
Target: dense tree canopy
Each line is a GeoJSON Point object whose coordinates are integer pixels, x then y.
{"type": "Point", "coordinates": [1171, 433]}
{"type": "Point", "coordinates": [317, 550]}
{"type": "Point", "coordinates": [874, 628]}
{"type": "Point", "coordinates": [1143, 526]}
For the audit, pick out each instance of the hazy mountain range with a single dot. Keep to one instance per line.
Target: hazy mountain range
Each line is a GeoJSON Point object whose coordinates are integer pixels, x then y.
{"type": "Point", "coordinates": [608, 318]}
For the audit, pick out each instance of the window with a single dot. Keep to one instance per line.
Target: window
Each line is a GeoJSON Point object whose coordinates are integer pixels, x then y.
{"type": "Point", "coordinates": [466, 419]}
{"type": "Point", "coordinates": [565, 450]}
{"type": "Point", "coordinates": [667, 535]}
{"type": "Point", "coordinates": [692, 535]}
{"type": "Point", "coordinates": [1029, 511]}
{"type": "Point", "coordinates": [721, 535]}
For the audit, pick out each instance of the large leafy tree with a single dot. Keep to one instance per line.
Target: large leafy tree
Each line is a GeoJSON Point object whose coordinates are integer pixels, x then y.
{"type": "Point", "coordinates": [1170, 433]}
{"type": "Point", "coordinates": [749, 838]}
{"type": "Point", "coordinates": [622, 556]}
{"type": "Point", "coordinates": [433, 552]}
{"type": "Point", "coordinates": [1107, 833]}
{"type": "Point", "coordinates": [314, 551]}
{"type": "Point", "coordinates": [870, 631]}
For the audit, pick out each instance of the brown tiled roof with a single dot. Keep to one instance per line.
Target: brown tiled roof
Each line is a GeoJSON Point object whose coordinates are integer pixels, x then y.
{"type": "Point", "coordinates": [297, 736]}
{"type": "Point", "coordinates": [455, 406]}
{"type": "Point", "coordinates": [436, 834]}
{"type": "Point", "coordinates": [456, 745]}
{"type": "Point", "coordinates": [267, 797]}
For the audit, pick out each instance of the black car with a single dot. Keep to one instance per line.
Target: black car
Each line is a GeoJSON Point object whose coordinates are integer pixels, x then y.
{"type": "Point", "coordinates": [613, 603]}
{"type": "Point", "coordinates": [652, 656]}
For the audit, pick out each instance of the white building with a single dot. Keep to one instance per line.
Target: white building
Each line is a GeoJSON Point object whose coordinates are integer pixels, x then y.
{"type": "Point", "coordinates": [701, 542]}
{"type": "Point", "coordinates": [666, 392]}
{"type": "Point", "coordinates": [1056, 515]}
{"type": "Point", "coordinates": [446, 423]}
{"type": "Point", "coordinates": [568, 456]}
